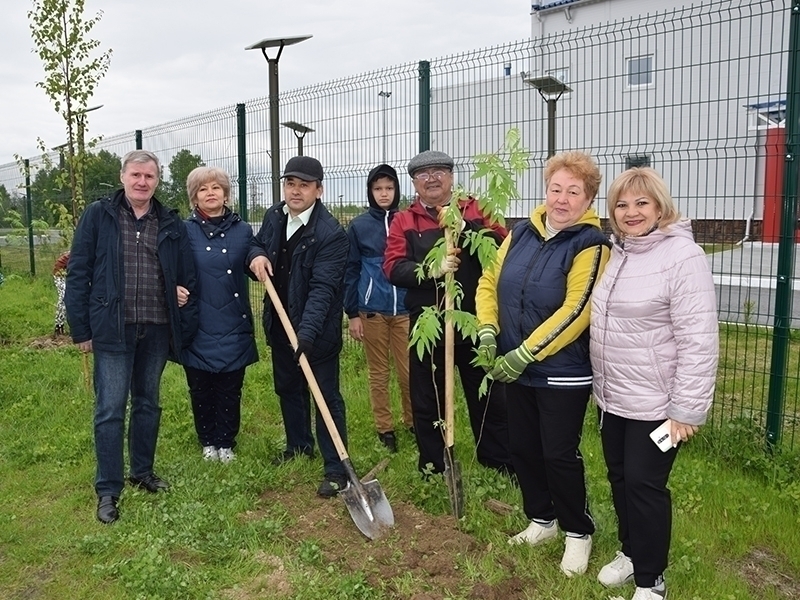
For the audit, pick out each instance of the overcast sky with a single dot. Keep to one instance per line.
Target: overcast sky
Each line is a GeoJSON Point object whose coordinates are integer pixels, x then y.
{"type": "Point", "coordinates": [172, 59]}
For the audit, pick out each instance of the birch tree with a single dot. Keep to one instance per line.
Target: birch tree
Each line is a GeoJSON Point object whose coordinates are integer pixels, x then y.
{"type": "Point", "coordinates": [73, 65]}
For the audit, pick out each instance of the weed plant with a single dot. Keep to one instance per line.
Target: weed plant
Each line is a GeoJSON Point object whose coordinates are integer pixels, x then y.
{"type": "Point", "coordinates": [733, 503]}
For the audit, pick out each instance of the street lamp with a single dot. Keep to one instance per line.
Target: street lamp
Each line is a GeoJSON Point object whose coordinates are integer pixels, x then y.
{"type": "Point", "coordinates": [60, 149]}
{"type": "Point", "coordinates": [80, 118]}
{"type": "Point", "coordinates": [385, 95]}
{"type": "Point", "coordinates": [300, 132]}
{"type": "Point", "coordinates": [550, 89]}
{"type": "Point", "coordinates": [275, 144]}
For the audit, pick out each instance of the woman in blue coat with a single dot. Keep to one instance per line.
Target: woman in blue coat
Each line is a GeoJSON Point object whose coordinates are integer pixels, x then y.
{"type": "Point", "coordinates": [224, 345]}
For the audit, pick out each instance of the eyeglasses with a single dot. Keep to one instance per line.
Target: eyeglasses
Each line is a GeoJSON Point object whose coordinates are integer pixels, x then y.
{"type": "Point", "coordinates": [426, 175]}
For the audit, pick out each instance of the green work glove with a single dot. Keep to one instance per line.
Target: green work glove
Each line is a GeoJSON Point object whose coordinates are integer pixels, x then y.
{"type": "Point", "coordinates": [487, 348]}
{"type": "Point", "coordinates": [511, 366]}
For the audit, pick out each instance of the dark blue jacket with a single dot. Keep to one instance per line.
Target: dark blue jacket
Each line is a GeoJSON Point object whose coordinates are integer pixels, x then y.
{"type": "Point", "coordinates": [224, 340]}
{"type": "Point", "coordinates": [316, 282]}
{"type": "Point", "coordinates": [533, 287]}
{"type": "Point", "coordinates": [95, 295]}
{"type": "Point", "coordinates": [366, 287]}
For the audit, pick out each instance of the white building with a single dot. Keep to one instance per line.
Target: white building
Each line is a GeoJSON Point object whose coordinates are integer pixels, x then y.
{"type": "Point", "coordinates": [688, 90]}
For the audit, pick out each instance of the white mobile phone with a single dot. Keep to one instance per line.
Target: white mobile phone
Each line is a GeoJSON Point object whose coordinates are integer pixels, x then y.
{"type": "Point", "coordinates": [661, 436]}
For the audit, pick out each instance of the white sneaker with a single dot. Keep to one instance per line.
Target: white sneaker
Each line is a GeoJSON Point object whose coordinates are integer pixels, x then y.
{"type": "Point", "coordinates": [210, 453]}
{"type": "Point", "coordinates": [226, 455]}
{"type": "Point", "coordinates": [648, 594]}
{"type": "Point", "coordinates": [616, 573]}
{"type": "Point", "coordinates": [576, 555]}
{"type": "Point", "coordinates": [534, 534]}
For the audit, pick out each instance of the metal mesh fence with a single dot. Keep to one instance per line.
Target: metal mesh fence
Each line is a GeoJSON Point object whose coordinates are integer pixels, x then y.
{"type": "Point", "coordinates": [699, 93]}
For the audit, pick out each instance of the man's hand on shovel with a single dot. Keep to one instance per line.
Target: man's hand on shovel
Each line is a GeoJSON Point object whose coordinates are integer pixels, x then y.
{"type": "Point", "coordinates": [303, 347]}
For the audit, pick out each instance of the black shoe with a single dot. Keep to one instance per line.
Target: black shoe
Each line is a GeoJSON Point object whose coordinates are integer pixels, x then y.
{"type": "Point", "coordinates": [151, 482]}
{"type": "Point", "coordinates": [289, 455]}
{"type": "Point", "coordinates": [389, 440]}
{"type": "Point", "coordinates": [107, 511]}
{"type": "Point", "coordinates": [331, 485]}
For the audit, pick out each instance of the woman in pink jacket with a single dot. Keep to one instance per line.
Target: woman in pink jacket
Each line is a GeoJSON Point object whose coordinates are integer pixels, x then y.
{"type": "Point", "coordinates": [654, 348]}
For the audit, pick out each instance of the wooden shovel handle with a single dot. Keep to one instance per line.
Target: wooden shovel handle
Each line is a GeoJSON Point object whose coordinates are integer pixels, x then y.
{"type": "Point", "coordinates": [449, 354]}
{"type": "Point", "coordinates": [86, 375]}
{"type": "Point", "coordinates": [322, 406]}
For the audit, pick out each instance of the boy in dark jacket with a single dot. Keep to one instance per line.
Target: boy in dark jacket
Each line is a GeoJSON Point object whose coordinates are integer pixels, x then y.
{"type": "Point", "coordinates": [375, 307]}
{"type": "Point", "coordinates": [303, 249]}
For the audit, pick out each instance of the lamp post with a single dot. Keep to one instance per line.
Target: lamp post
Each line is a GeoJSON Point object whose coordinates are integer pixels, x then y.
{"type": "Point", "coordinates": [300, 132]}
{"type": "Point", "coordinates": [275, 145]}
{"type": "Point", "coordinates": [385, 95]}
{"type": "Point", "coordinates": [60, 149]}
{"type": "Point", "coordinates": [80, 167]}
{"type": "Point", "coordinates": [80, 119]}
{"type": "Point", "coordinates": [550, 89]}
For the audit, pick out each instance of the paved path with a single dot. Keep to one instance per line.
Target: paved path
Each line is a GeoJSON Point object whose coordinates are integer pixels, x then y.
{"type": "Point", "coordinates": [745, 280]}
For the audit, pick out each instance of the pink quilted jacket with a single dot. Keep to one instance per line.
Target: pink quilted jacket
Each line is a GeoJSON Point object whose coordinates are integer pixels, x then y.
{"type": "Point", "coordinates": [654, 334]}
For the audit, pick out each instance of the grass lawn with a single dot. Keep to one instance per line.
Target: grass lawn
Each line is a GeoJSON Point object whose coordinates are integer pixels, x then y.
{"type": "Point", "coordinates": [251, 530]}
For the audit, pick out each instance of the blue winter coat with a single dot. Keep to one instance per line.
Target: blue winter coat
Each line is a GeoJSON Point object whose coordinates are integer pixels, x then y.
{"type": "Point", "coordinates": [316, 283]}
{"type": "Point", "coordinates": [366, 287]}
{"type": "Point", "coordinates": [224, 340]}
{"type": "Point", "coordinates": [94, 296]}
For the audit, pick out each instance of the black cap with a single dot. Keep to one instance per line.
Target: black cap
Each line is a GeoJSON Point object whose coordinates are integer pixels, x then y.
{"type": "Point", "coordinates": [303, 167]}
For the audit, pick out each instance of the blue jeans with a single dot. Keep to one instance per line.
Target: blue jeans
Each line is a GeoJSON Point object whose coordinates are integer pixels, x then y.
{"type": "Point", "coordinates": [295, 399]}
{"type": "Point", "coordinates": [135, 368]}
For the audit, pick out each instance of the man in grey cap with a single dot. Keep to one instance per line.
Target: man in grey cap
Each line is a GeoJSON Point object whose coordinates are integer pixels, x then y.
{"type": "Point", "coordinates": [303, 249]}
{"type": "Point", "coordinates": [412, 234]}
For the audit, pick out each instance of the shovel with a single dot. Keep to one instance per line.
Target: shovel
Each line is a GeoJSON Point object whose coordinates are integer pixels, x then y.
{"type": "Point", "coordinates": [452, 469]}
{"type": "Point", "coordinates": [86, 380]}
{"type": "Point", "coordinates": [366, 501]}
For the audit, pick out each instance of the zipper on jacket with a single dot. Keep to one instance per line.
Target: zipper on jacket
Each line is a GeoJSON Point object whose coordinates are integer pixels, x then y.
{"type": "Point", "coordinates": [605, 329]}
{"type": "Point", "coordinates": [528, 271]}
{"type": "Point", "coordinates": [394, 288]}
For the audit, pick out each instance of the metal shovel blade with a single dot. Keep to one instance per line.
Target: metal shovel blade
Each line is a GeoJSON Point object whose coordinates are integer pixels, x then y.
{"type": "Point", "coordinates": [368, 506]}
{"type": "Point", "coordinates": [455, 487]}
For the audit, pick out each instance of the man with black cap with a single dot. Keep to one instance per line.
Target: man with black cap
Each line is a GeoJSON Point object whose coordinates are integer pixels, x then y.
{"type": "Point", "coordinates": [303, 249]}
{"type": "Point", "coordinates": [413, 233]}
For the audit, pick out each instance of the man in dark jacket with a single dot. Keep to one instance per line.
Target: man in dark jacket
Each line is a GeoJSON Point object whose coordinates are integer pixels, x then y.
{"type": "Point", "coordinates": [303, 248]}
{"type": "Point", "coordinates": [375, 308]}
{"type": "Point", "coordinates": [129, 300]}
{"type": "Point", "coordinates": [413, 233]}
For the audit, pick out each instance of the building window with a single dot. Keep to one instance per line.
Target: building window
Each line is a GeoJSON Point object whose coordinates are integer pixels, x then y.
{"type": "Point", "coordinates": [639, 72]}
{"type": "Point", "coordinates": [767, 115]}
{"type": "Point", "coordinates": [637, 160]}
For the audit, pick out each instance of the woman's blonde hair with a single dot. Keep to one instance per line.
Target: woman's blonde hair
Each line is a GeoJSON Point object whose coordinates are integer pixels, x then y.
{"type": "Point", "coordinates": [202, 175]}
{"type": "Point", "coordinates": [642, 181]}
{"type": "Point", "coordinates": [581, 165]}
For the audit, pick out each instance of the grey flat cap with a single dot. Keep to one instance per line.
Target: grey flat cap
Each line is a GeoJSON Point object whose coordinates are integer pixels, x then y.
{"type": "Point", "coordinates": [429, 158]}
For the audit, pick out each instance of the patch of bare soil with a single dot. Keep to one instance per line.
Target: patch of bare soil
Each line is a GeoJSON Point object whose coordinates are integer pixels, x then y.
{"type": "Point", "coordinates": [274, 584]}
{"type": "Point", "coordinates": [50, 342]}
{"type": "Point", "coordinates": [763, 570]}
{"type": "Point", "coordinates": [423, 550]}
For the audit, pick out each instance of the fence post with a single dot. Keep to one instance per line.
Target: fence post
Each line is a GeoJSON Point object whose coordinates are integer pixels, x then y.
{"type": "Point", "coordinates": [786, 243]}
{"type": "Point", "coordinates": [424, 105]}
{"type": "Point", "coordinates": [138, 135]}
{"type": "Point", "coordinates": [241, 132]}
{"type": "Point", "coordinates": [29, 202]}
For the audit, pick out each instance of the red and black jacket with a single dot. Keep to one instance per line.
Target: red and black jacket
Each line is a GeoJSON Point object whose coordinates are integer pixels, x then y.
{"type": "Point", "coordinates": [412, 234]}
